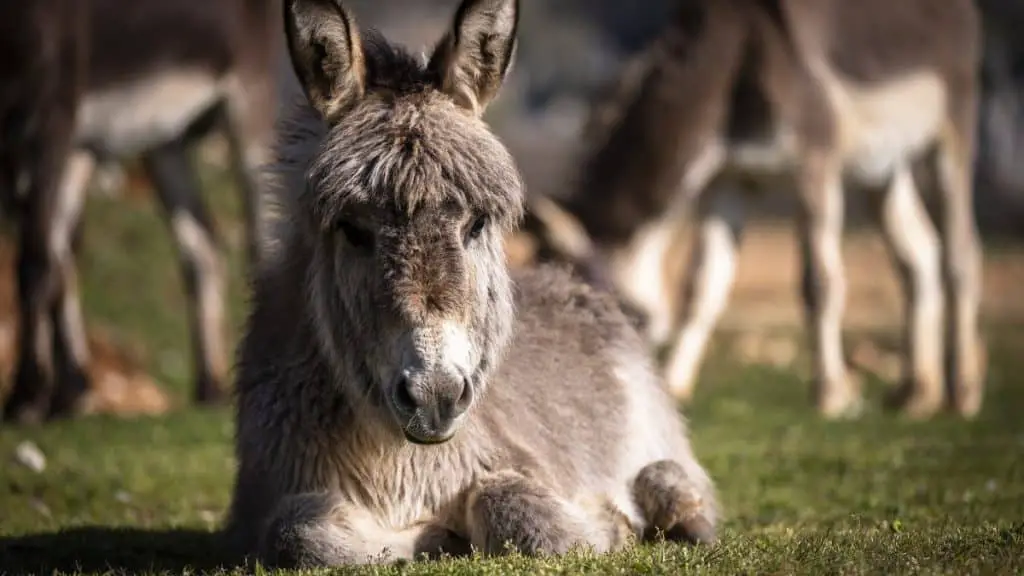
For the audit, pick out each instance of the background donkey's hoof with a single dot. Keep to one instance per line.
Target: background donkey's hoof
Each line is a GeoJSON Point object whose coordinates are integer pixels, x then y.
{"type": "Point", "coordinates": [843, 402]}
{"type": "Point", "coordinates": [914, 401]}
{"type": "Point", "coordinates": [29, 411]}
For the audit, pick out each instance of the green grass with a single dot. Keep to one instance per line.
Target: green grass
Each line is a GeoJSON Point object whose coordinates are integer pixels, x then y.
{"type": "Point", "coordinates": [878, 495]}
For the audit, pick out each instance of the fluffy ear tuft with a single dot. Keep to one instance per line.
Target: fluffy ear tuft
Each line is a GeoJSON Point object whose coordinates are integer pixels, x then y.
{"type": "Point", "coordinates": [475, 56]}
{"type": "Point", "coordinates": [326, 53]}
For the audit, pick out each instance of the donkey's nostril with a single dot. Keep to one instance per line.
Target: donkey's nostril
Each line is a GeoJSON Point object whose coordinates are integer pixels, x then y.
{"type": "Point", "coordinates": [404, 399]}
{"type": "Point", "coordinates": [466, 398]}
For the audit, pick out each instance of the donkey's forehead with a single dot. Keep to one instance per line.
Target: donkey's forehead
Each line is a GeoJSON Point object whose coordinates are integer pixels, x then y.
{"type": "Point", "coordinates": [416, 151]}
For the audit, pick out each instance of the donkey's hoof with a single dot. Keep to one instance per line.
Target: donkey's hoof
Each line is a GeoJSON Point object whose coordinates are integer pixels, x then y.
{"type": "Point", "coordinates": [967, 392]}
{"type": "Point", "coordinates": [966, 401]}
{"type": "Point", "coordinates": [211, 394]}
{"type": "Point", "coordinates": [212, 400]}
{"type": "Point", "coordinates": [71, 402]}
{"type": "Point", "coordinates": [25, 413]}
{"type": "Point", "coordinates": [69, 407]}
{"type": "Point", "coordinates": [850, 409]}
{"type": "Point", "coordinates": [914, 402]}
{"type": "Point", "coordinates": [696, 530]}
{"type": "Point", "coordinates": [840, 406]}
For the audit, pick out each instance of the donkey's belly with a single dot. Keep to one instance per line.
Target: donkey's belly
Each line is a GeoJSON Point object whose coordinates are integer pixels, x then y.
{"type": "Point", "coordinates": [132, 117]}
{"type": "Point", "coordinates": [884, 125]}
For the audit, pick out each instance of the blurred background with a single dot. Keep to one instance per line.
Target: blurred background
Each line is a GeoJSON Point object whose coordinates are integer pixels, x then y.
{"type": "Point", "coordinates": [881, 493]}
{"type": "Point", "coordinates": [569, 52]}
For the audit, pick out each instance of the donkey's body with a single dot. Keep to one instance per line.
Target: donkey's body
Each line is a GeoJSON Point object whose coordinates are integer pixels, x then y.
{"type": "Point", "coordinates": [104, 81]}
{"type": "Point", "coordinates": [824, 93]}
{"type": "Point", "coordinates": [386, 320]}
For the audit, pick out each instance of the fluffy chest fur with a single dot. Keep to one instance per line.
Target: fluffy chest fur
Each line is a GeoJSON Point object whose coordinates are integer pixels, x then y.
{"type": "Point", "coordinates": [402, 484]}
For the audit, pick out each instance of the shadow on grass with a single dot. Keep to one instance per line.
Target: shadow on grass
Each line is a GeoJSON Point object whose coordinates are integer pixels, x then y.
{"type": "Point", "coordinates": [124, 550]}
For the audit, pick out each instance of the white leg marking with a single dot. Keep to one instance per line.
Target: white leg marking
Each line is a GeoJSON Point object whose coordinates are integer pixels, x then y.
{"type": "Point", "coordinates": [821, 226]}
{"type": "Point", "coordinates": [915, 245]}
{"type": "Point", "coordinates": [199, 249]}
{"type": "Point", "coordinates": [643, 278]}
{"type": "Point", "coordinates": [67, 213]}
{"type": "Point", "coordinates": [710, 279]}
{"type": "Point", "coordinates": [963, 261]}
{"type": "Point", "coordinates": [640, 270]}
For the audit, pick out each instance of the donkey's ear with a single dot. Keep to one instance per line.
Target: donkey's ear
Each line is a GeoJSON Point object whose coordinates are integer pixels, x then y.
{"type": "Point", "coordinates": [475, 56]}
{"type": "Point", "coordinates": [326, 53]}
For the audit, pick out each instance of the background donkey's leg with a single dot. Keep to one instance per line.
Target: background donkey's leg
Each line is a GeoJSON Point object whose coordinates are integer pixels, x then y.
{"type": "Point", "coordinates": [38, 275]}
{"type": "Point", "coordinates": [177, 186]}
{"type": "Point", "coordinates": [71, 345]}
{"type": "Point", "coordinates": [914, 245]}
{"type": "Point", "coordinates": [824, 282]}
{"type": "Point", "coordinates": [962, 257]}
{"type": "Point", "coordinates": [709, 281]}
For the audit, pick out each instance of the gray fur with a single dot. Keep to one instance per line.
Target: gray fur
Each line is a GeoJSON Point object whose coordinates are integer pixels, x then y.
{"type": "Point", "coordinates": [398, 391]}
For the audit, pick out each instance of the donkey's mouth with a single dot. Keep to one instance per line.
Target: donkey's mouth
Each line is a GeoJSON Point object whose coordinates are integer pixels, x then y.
{"type": "Point", "coordinates": [428, 441]}
{"type": "Point", "coordinates": [430, 408]}
{"type": "Point", "coordinates": [425, 428]}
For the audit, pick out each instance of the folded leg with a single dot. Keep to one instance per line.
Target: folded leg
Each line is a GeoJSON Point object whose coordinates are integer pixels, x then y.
{"type": "Point", "coordinates": [673, 504]}
{"type": "Point", "coordinates": [508, 511]}
{"type": "Point", "coordinates": [322, 529]}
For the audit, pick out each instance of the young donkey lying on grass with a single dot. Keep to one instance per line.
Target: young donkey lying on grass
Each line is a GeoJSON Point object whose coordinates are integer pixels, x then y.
{"type": "Point", "coordinates": [392, 401]}
{"type": "Point", "coordinates": [818, 91]}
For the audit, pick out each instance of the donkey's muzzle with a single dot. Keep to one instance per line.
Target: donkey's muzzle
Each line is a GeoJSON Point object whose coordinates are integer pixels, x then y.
{"type": "Point", "coordinates": [430, 405]}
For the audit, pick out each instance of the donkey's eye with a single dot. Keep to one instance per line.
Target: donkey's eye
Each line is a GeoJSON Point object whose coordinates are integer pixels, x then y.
{"type": "Point", "coordinates": [476, 228]}
{"type": "Point", "coordinates": [358, 237]}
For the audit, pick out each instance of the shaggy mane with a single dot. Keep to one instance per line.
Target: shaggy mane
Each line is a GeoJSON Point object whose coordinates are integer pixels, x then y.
{"type": "Point", "coordinates": [404, 147]}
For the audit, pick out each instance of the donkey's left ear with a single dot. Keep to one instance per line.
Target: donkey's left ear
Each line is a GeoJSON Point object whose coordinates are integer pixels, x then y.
{"type": "Point", "coordinates": [475, 56]}
{"type": "Point", "coordinates": [326, 53]}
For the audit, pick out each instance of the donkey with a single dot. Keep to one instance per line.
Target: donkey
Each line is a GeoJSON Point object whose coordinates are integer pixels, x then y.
{"type": "Point", "coordinates": [391, 400]}
{"type": "Point", "coordinates": [739, 95]}
{"type": "Point", "coordinates": [84, 82]}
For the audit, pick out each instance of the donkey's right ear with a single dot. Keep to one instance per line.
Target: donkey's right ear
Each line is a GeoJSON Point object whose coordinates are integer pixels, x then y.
{"type": "Point", "coordinates": [326, 53]}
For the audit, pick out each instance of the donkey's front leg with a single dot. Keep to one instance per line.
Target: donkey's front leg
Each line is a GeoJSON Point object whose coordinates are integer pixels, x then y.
{"type": "Point", "coordinates": [709, 282]}
{"type": "Point", "coordinates": [508, 511]}
{"type": "Point", "coordinates": [824, 282]}
{"type": "Point", "coordinates": [71, 345]}
{"type": "Point", "coordinates": [323, 529]}
{"type": "Point", "coordinates": [962, 260]}
{"type": "Point", "coordinates": [914, 245]}
{"type": "Point", "coordinates": [49, 314]}
{"type": "Point", "coordinates": [177, 187]}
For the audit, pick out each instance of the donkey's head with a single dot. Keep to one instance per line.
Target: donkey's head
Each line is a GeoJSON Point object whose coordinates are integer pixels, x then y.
{"type": "Point", "coordinates": [407, 200]}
